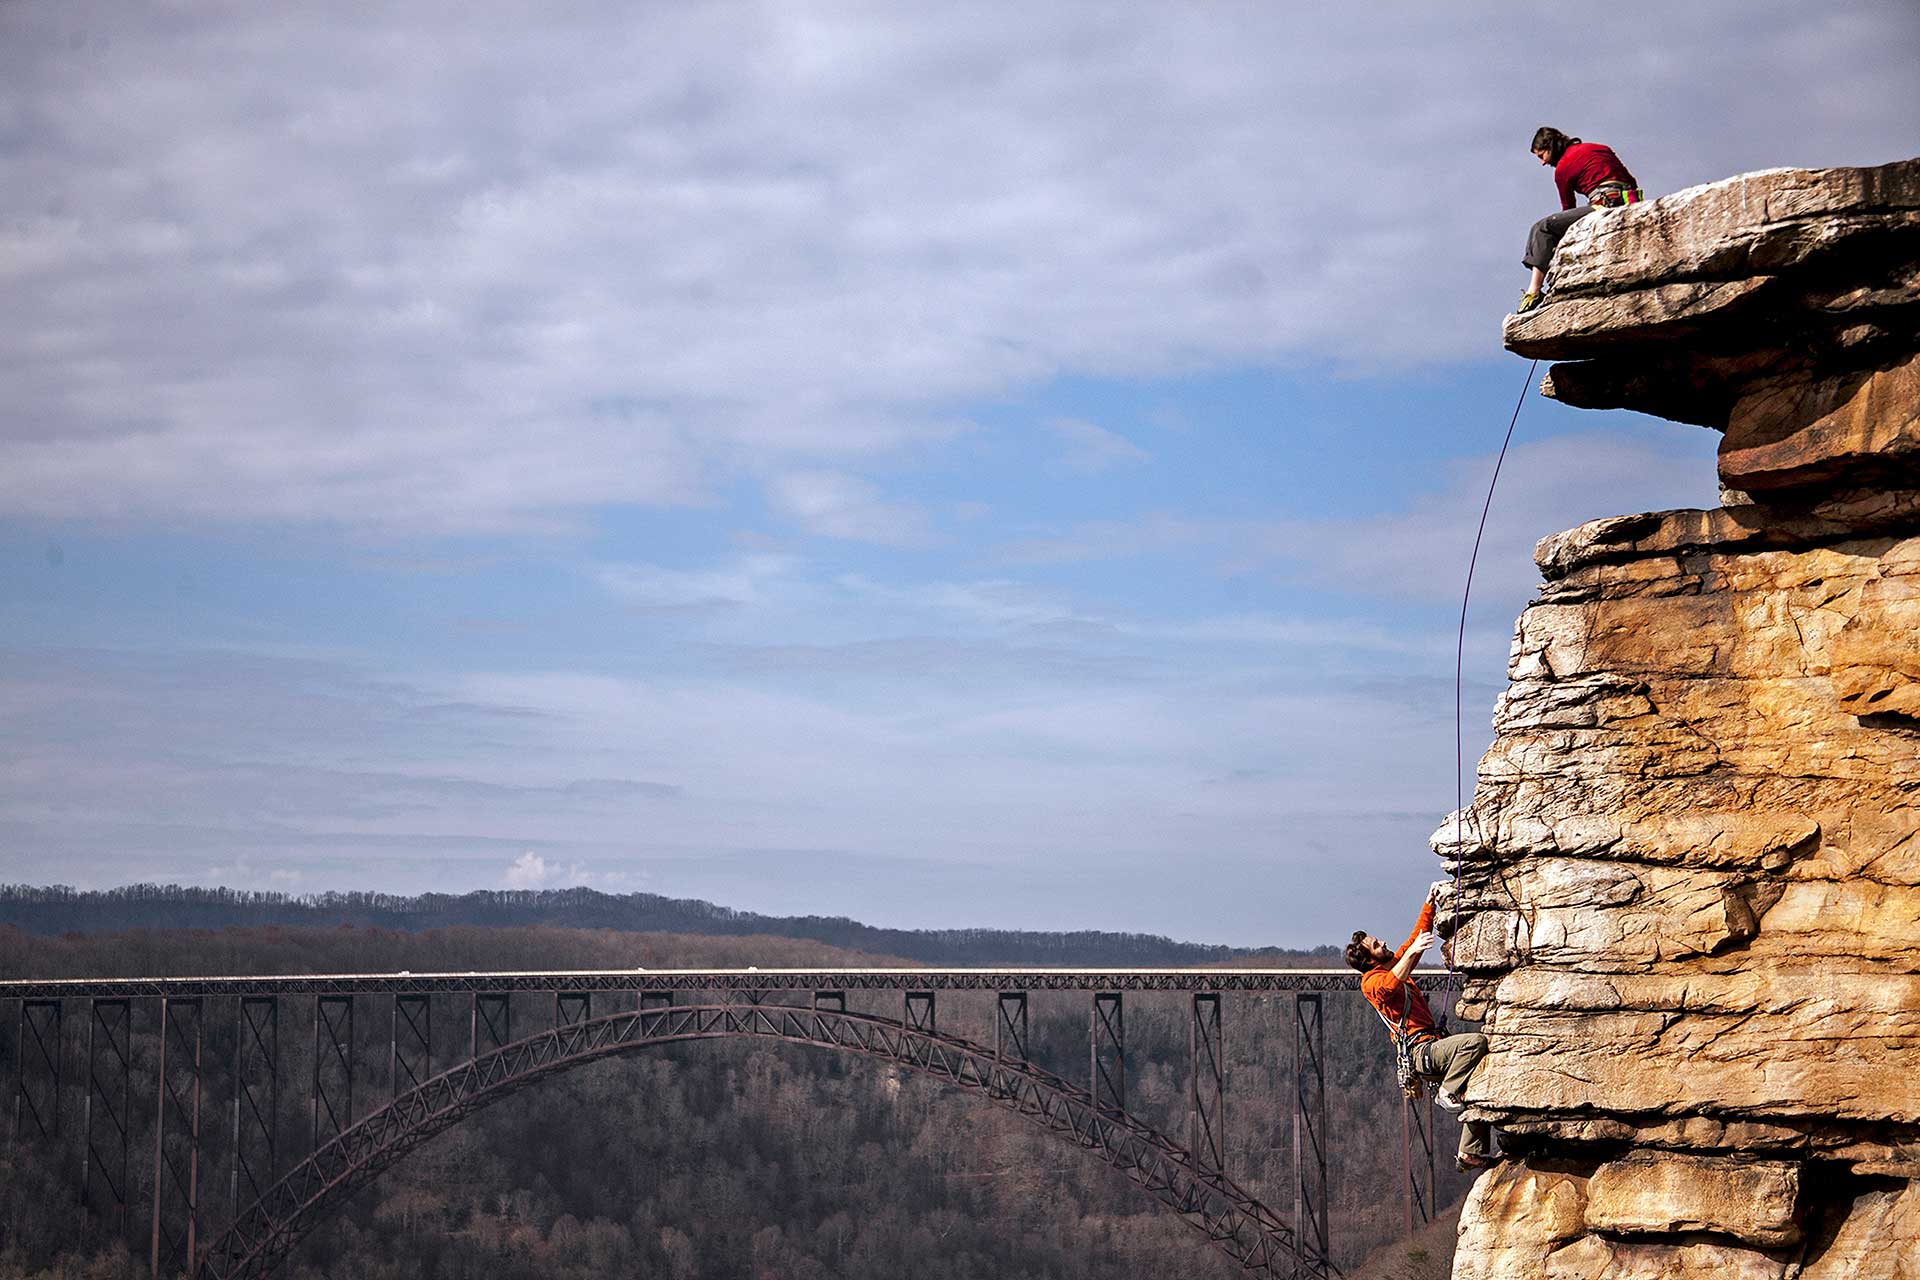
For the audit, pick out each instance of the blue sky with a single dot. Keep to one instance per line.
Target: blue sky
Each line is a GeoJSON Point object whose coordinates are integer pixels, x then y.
{"type": "Point", "coordinates": [946, 467]}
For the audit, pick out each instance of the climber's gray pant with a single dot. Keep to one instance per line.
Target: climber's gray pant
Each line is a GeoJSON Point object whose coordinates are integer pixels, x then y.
{"type": "Point", "coordinates": [1546, 233]}
{"type": "Point", "coordinates": [1450, 1062]}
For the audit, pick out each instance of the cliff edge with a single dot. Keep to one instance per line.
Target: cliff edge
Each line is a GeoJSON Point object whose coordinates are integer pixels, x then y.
{"type": "Point", "coordinates": [1690, 872]}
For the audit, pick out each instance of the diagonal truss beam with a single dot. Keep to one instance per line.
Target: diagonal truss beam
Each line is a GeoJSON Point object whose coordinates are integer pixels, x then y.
{"type": "Point", "coordinates": [174, 1240]}
{"type": "Point", "coordinates": [106, 1177]}
{"type": "Point", "coordinates": [39, 1070]}
{"type": "Point", "coordinates": [256, 1099]}
{"type": "Point", "coordinates": [1207, 1083]}
{"type": "Point", "coordinates": [1311, 1133]}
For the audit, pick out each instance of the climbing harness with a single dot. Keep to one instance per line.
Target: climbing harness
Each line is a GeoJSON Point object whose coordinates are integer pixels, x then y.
{"type": "Point", "coordinates": [1459, 661]}
{"type": "Point", "coordinates": [1413, 1085]}
{"type": "Point", "coordinates": [1614, 194]}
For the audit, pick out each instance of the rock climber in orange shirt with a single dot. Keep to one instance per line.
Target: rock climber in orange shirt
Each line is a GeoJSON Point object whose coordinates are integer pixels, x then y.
{"type": "Point", "coordinates": [1447, 1061]}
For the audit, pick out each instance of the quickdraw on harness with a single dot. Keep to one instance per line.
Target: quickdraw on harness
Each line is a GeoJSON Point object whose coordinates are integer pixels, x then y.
{"type": "Point", "coordinates": [1413, 1085]}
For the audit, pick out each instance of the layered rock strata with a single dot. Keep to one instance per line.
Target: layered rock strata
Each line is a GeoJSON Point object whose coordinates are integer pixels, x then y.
{"type": "Point", "coordinates": [1690, 874]}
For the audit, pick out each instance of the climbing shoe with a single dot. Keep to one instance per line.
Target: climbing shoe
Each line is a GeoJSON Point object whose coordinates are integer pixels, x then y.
{"type": "Point", "coordinates": [1467, 1164]}
{"type": "Point", "coordinates": [1528, 301]}
{"type": "Point", "coordinates": [1447, 1100]}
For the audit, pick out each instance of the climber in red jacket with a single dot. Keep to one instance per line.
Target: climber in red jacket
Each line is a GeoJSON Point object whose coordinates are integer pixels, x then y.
{"type": "Point", "coordinates": [1579, 168]}
{"type": "Point", "coordinates": [1446, 1060]}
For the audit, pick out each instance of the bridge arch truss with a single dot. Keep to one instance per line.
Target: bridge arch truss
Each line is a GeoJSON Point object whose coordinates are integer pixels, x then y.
{"type": "Point", "coordinates": [1232, 1220]}
{"type": "Point", "coordinates": [213, 1116]}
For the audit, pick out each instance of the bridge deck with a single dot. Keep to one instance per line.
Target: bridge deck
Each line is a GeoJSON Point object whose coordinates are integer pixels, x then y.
{"type": "Point", "coordinates": [751, 979]}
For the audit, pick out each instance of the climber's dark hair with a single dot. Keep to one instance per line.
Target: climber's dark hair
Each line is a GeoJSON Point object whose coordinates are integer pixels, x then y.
{"type": "Point", "coordinates": [1357, 954]}
{"type": "Point", "coordinates": [1550, 140]}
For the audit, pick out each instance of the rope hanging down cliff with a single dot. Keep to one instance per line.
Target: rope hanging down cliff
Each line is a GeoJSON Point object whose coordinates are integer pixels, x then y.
{"type": "Point", "coordinates": [1459, 656]}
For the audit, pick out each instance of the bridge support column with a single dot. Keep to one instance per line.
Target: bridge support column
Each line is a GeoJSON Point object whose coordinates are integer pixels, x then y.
{"type": "Point", "coordinates": [1108, 1034]}
{"type": "Point", "coordinates": [570, 1007]}
{"type": "Point", "coordinates": [1309, 1126]}
{"type": "Point", "coordinates": [331, 1106]}
{"type": "Point", "coordinates": [107, 1115]}
{"type": "Point", "coordinates": [410, 1042]}
{"type": "Point", "coordinates": [38, 1070]}
{"type": "Point", "coordinates": [827, 1002]}
{"type": "Point", "coordinates": [1416, 1146]}
{"type": "Point", "coordinates": [490, 1022]}
{"type": "Point", "coordinates": [256, 1099]}
{"type": "Point", "coordinates": [1010, 1026]}
{"type": "Point", "coordinates": [1207, 1084]}
{"type": "Point", "coordinates": [176, 1140]}
{"type": "Point", "coordinates": [917, 1011]}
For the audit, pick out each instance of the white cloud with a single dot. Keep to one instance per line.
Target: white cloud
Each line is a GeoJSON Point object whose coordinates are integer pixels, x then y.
{"type": "Point", "coordinates": [836, 505]}
{"type": "Point", "coordinates": [745, 580]}
{"type": "Point", "coordinates": [993, 602]}
{"type": "Point", "coordinates": [531, 871]}
{"type": "Point", "coordinates": [261, 264]}
{"type": "Point", "coordinates": [1092, 448]}
{"type": "Point", "coordinates": [242, 873]}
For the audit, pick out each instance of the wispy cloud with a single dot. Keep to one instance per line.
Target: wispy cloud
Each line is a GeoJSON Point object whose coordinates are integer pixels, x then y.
{"type": "Point", "coordinates": [260, 266]}
{"type": "Point", "coordinates": [1093, 448]}
{"type": "Point", "coordinates": [1115, 539]}
{"type": "Point", "coordinates": [993, 602]}
{"type": "Point", "coordinates": [836, 505]}
{"type": "Point", "coordinates": [744, 580]}
{"type": "Point", "coordinates": [791, 278]}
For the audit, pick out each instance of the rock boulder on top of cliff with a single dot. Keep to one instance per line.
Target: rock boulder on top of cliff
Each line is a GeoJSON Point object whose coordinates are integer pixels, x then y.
{"type": "Point", "coordinates": [1780, 307]}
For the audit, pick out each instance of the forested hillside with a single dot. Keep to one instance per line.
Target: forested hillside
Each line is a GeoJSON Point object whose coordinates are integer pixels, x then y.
{"type": "Point", "coordinates": [58, 909]}
{"type": "Point", "coordinates": [728, 1159]}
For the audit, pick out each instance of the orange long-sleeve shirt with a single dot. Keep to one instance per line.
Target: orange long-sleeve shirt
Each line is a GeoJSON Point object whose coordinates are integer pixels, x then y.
{"type": "Point", "coordinates": [1400, 1002]}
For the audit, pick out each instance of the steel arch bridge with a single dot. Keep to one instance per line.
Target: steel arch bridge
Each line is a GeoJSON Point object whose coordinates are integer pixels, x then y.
{"type": "Point", "coordinates": [1231, 1219]}
{"type": "Point", "coordinates": [212, 1114]}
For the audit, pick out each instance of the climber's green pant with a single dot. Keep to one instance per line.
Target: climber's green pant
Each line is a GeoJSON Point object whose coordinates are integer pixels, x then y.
{"type": "Point", "coordinates": [1449, 1062]}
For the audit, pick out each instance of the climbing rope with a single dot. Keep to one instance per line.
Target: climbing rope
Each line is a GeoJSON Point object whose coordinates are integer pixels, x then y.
{"type": "Point", "coordinates": [1459, 662]}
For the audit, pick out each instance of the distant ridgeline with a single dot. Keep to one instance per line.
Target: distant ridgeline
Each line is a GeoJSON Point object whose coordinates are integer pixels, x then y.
{"type": "Point", "coordinates": [57, 909]}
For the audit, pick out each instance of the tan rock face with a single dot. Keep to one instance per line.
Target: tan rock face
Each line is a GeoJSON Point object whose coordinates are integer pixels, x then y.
{"type": "Point", "coordinates": [1525, 1214]}
{"type": "Point", "coordinates": [1876, 656]}
{"type": "Point", "coordinates": [1746, 227]}
{"type": "Point", "coordinates": [1875, 1237]}
{"type": "Point", "coordinates": [1690, 874]}
{"type": "Point", "coordinates": [1643, 1260]}
{"type": "Point", "coordinates": [1525, 1222]}
{"type": "Point", "coordinates": [1652, 1193]}
{"type": "Point", "coordinates": [1791, 433]}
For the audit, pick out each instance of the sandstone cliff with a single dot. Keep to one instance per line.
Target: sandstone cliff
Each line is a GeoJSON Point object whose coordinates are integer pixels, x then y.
{"type": "Point", "coordinates": [1690, 911]}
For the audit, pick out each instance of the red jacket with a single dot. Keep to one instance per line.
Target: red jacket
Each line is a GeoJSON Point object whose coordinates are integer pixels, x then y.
{"type": "Point", "coordinates": [1584, 166]}
{"type": "Point", "coordinates": [1400, 1002]}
